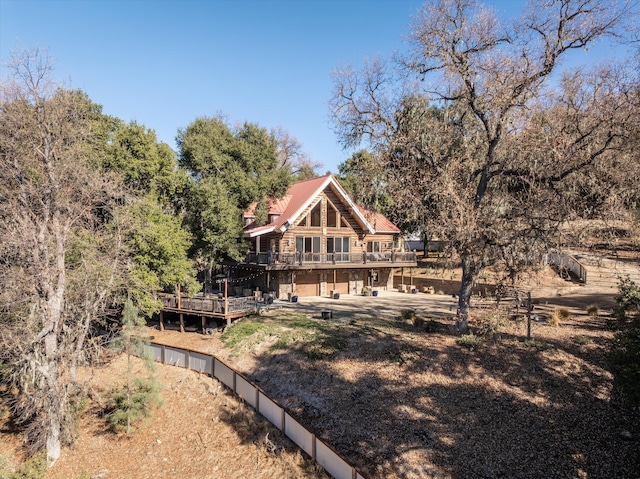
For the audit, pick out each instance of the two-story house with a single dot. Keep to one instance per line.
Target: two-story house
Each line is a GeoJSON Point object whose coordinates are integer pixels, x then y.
{"type": "Point", "coordinates": [318, 242]}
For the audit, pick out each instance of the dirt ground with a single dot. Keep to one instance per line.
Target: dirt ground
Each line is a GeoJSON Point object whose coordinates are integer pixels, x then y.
{"type": "Point", "coordinates": [201, 431]}
{"type": "Point", "coordinates": [397, 402]}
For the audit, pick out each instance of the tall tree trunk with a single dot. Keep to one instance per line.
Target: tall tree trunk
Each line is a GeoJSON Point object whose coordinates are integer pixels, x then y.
{"type": "Point", "coordinates": [50, 372]}
{"type": "Point", "coordinates": [469, 271]}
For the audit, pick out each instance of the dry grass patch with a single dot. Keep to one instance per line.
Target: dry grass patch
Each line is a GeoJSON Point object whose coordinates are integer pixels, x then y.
{"type": "Point", "coordinates": [559, 316]}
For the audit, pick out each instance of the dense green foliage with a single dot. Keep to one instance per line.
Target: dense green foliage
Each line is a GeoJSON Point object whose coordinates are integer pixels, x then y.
{"type": "Point", "coordinates": [624, 360]}
{"type": "Point", "coordinates": [146, 164]}
{"type": "Point", "coordinates": [229, 170]}
{"type": "Point", "coordinates": [159, 248]}
{"type": "Point", "coordinates": [157, 241]}
{"type": "Point", "coordinates": [33, 468]}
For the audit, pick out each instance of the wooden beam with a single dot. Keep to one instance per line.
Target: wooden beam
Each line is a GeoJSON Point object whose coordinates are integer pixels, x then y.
{"type": "Point", "coordinates": [226, 296]}
{"type": "Point", "coordinates": [181, 323]}
{"type": "Point", "coordinates": [161, 321]}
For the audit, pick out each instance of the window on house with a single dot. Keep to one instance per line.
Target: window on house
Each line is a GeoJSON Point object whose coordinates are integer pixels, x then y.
{"type": "Point", "coordinates": [338, 248]}
{"type": "Point", "coordinates": [373, 246]}
{"type": "Point", "coordinates": [316, 215]}
{"type": "Point", "coordinates": [343, 223]}
{"type": "Point", "coordinates": [332, 216]}
{"type": "Point", "coordinates": [308, 247]}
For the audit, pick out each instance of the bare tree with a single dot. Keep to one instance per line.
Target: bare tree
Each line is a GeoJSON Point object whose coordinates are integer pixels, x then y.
{"type": "Point", "coordinates": [61, 255]}
{"type": "Point", "coordinates": [291, 155]}
{"type": "Point", "coordinates": [467, 166]}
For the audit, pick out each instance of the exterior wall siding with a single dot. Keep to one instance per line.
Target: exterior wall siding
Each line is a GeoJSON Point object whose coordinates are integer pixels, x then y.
{"type": "Point", "coordinates": [348, 280]}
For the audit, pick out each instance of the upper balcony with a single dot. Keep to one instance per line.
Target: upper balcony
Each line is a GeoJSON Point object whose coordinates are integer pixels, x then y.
{"type": "Point", "coordinates": [332, 260]}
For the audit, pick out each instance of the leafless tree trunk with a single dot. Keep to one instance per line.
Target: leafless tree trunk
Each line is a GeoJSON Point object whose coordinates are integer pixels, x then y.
{"type": "Point", "coordinates": [486, 80]}
{"type": "Point", "coordinates": [60, 249]}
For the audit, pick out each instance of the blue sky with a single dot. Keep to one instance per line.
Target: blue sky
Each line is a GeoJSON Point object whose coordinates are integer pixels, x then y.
{"type": "Point", "coordinates": [164, 63]}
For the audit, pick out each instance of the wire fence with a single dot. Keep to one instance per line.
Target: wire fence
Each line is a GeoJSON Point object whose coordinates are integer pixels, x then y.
{"type": "Point", "coordinates": [318, 450]}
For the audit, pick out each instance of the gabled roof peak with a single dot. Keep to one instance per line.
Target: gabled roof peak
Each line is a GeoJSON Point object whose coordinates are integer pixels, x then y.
{"type": "Point", "coordinates": [298, 197]}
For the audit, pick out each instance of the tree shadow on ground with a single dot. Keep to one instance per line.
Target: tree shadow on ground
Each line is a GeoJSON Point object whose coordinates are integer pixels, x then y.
{"type": "Point", "coordinates": [401, 403]}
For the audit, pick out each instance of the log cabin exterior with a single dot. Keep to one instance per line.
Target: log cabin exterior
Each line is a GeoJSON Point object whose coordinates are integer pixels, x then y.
{"type": "Point", "coordinates": [318, 242]}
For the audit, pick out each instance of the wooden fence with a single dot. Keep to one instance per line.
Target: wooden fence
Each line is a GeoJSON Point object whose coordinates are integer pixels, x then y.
{"type": "Point", "coordinates": [318, 450]}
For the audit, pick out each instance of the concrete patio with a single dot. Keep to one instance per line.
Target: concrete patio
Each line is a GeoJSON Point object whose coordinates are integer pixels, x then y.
{"type": "Point", "coordinates": [387, 304]}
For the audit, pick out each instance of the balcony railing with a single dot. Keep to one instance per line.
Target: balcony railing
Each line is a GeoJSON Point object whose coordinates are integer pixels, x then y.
{"type": "Point", "coordinates": [391, 257]}
{"type": "Point", "coordinates": [208, 305]}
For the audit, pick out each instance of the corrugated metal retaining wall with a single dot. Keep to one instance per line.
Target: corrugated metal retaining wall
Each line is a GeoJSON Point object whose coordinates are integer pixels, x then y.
{"type": "Point", "coordinates": [565, 260]}
{"type": "Point", "coordinates": [319, 451]}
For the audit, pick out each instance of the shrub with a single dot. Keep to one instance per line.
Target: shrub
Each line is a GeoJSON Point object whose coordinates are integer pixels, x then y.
{"type": "Point", "coordinates": [490, 322]}
{"type": "Point", "coordinates": [33, 468]}
{"type": "Point", "coordinates": [628, 297]}
{"type": "Point", "coordinates": [132, 404]}
{"type": "Point", "coordinates": [469, 341]}
{"type": "Point", "coordinates": [558, 317]}
{"type": "Point", "coordinates": [624, 362]}
{"type": "Point", "coordinates": [408, 314]}
{"type": "Point", "coordinates": [582, 340]}
{"type": "Point", "coordinates": [535, 343]}
{"type": "Point", "coordinates": [593, 310]}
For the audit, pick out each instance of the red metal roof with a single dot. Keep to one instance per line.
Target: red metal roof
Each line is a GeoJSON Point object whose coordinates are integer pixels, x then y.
{"type": "Point", "coordinates": [300, 195]}
{"type": "Point", "coordinates": [380, 223]}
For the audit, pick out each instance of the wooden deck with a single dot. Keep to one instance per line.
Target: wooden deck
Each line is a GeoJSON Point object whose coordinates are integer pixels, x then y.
{"type": "Point", "coordinates": [210, 306]}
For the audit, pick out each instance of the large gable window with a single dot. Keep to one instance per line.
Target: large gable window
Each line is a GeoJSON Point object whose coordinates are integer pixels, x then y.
{"type": "Point", "coordinates": [315, 216]}
{"type": "Point", "coordinates": [332, 216]}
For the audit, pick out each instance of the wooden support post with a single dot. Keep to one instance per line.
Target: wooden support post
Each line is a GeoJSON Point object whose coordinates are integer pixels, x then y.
{"type": "Point", "coordinates": [204, 325]}
{"type": "Point", "coordinates": [226, 296]}
{"type": "Point", "coordinates": [161, 320]}
{"type": "Point", "coordinates": [529, 314]}
{"type": "Point", "coordinates": [179, 296]}
{"type": "Point", "coordinates": [181, 323]}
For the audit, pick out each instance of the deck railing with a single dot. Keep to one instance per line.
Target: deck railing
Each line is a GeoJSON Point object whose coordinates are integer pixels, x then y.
{"type": "Point", "coordinates": [210, 304]}
{"type": "Point", "coordinates": [331, 258]}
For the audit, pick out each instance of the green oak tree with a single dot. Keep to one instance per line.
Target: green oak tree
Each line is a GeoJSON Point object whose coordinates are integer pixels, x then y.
{"type": "Point", "coordinates": [229, 169]}
{"type": "Point", "coordinates": [156, 239]}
